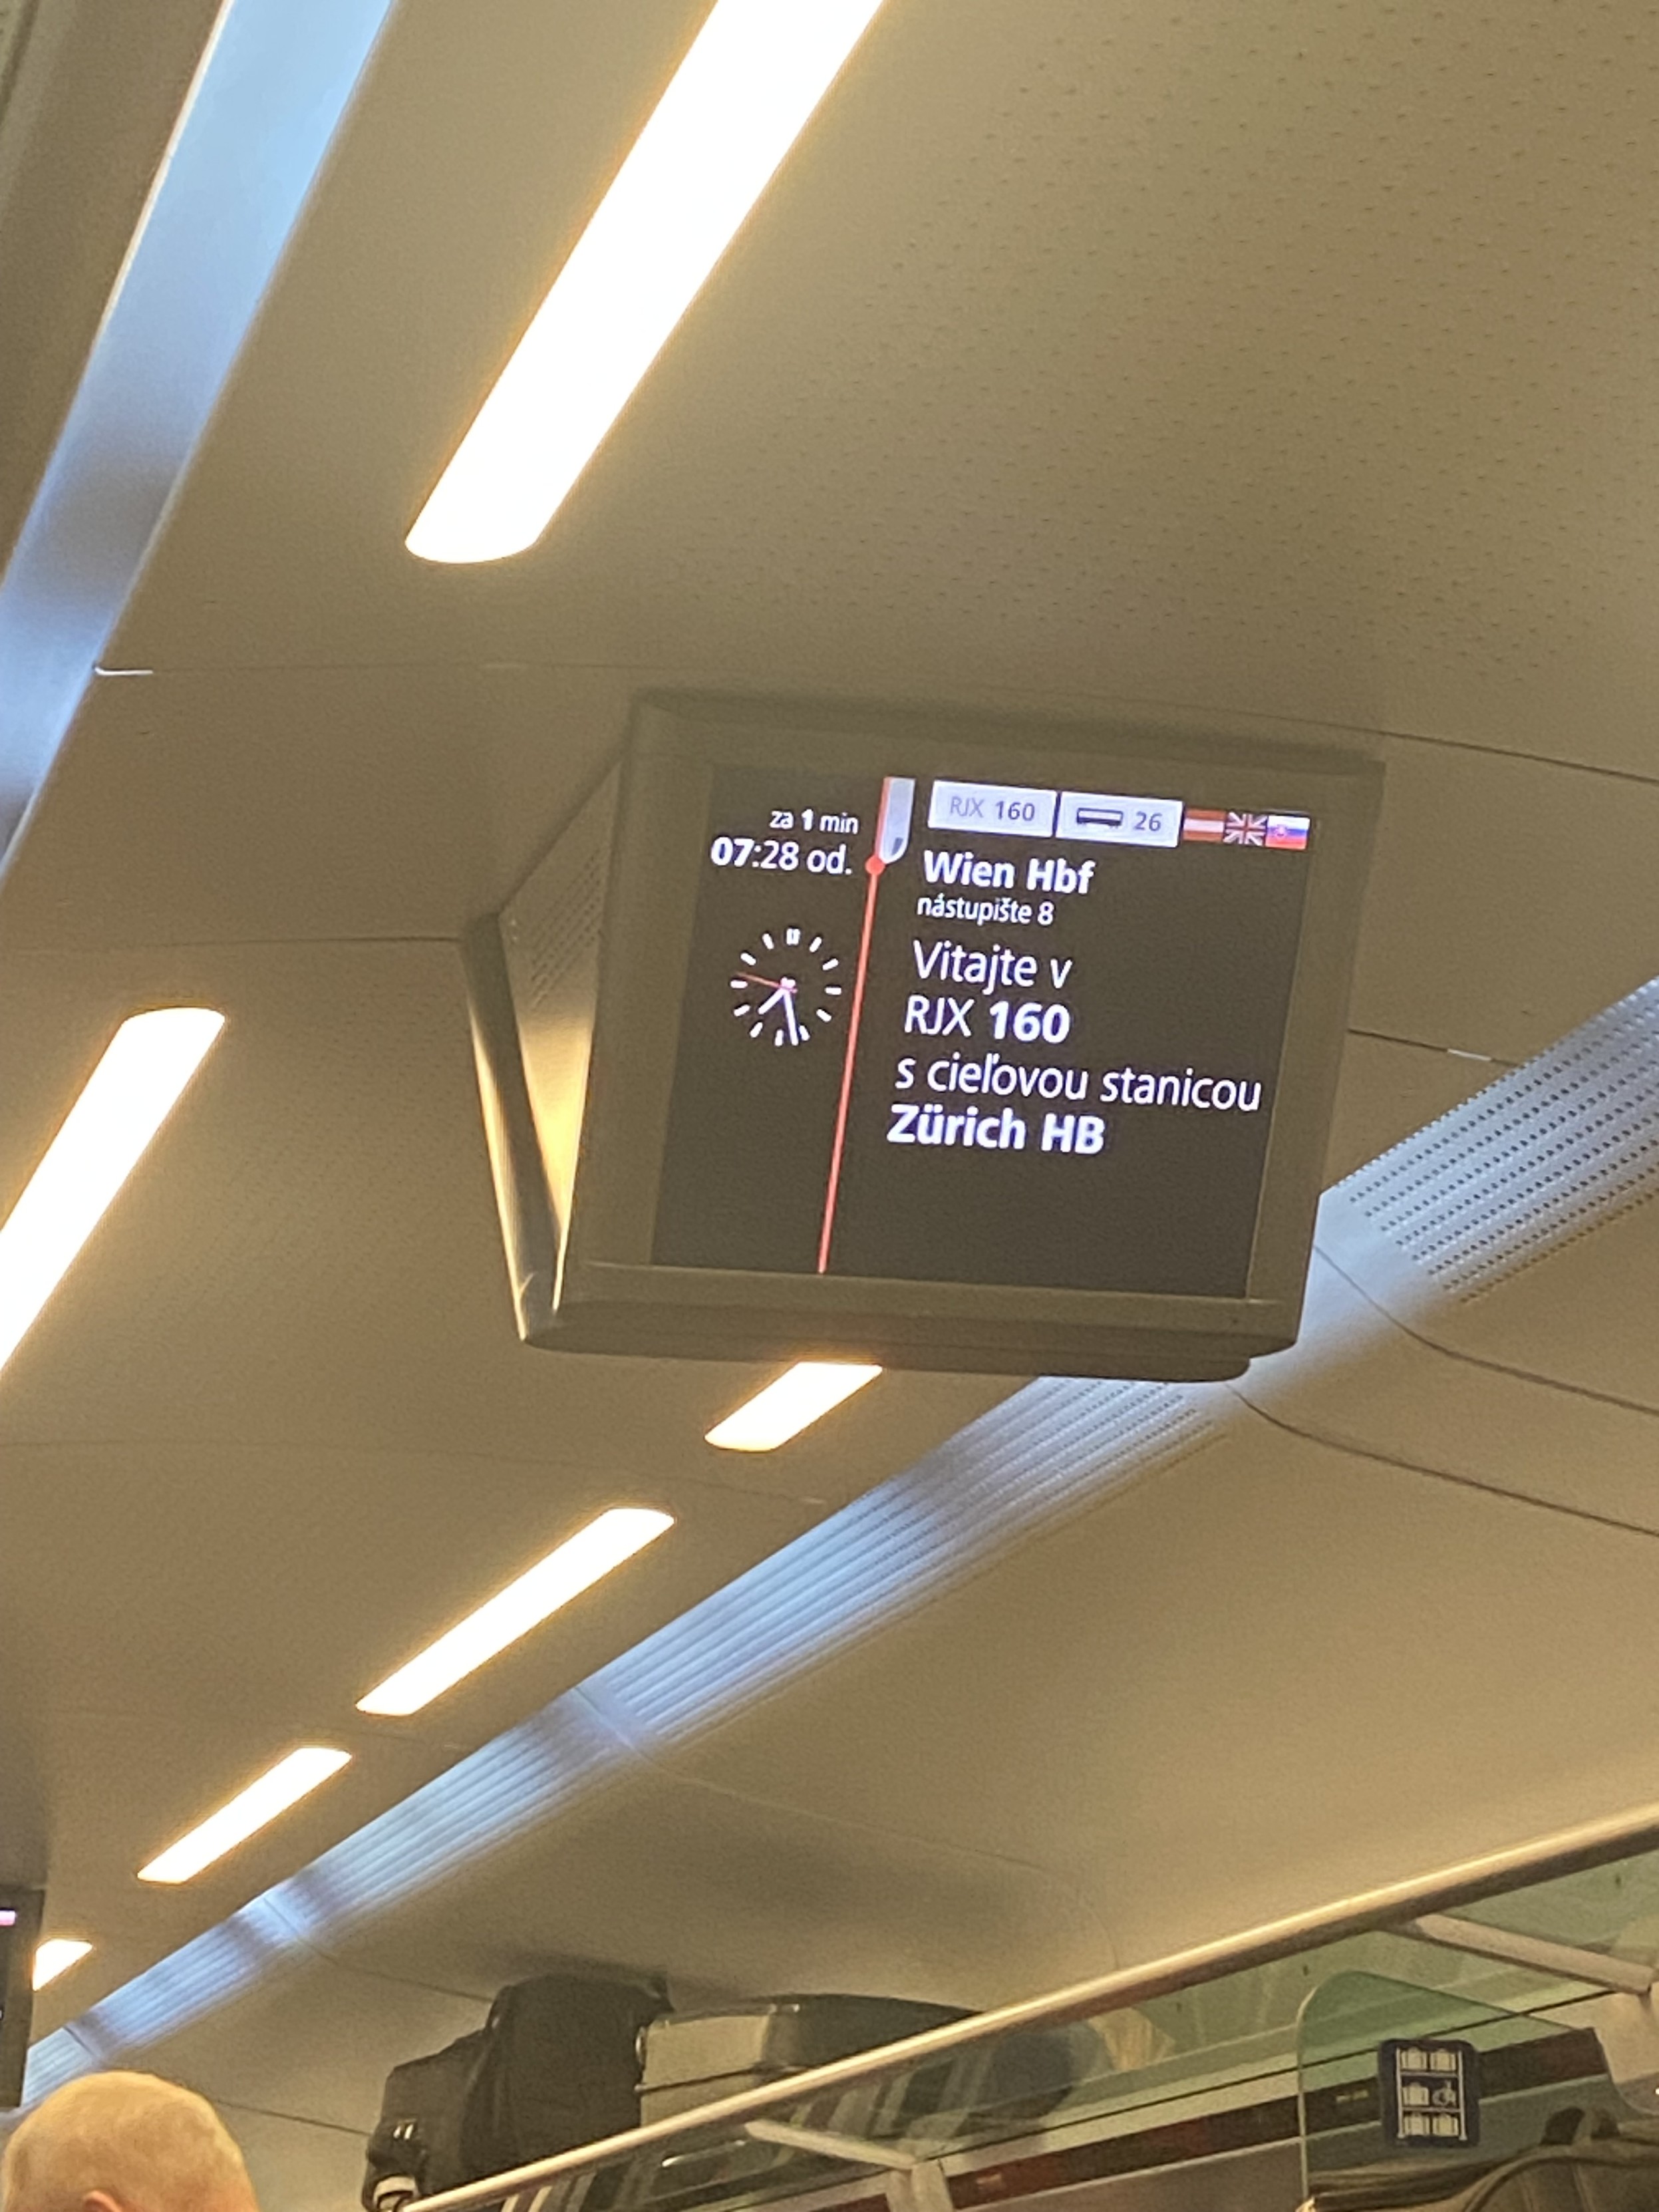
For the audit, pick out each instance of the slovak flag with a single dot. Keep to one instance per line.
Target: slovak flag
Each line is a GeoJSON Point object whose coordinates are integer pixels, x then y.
{"type": "Point", "coordinates": [1200, 827]}
{"type": "Point", "coordinates": [1288, 833]}
{"type": "Point", "coordinates": [1244, 829]}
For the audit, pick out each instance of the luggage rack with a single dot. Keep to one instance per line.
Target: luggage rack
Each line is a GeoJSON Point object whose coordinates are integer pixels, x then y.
{"type": "Point", "coordinates": [1236, 2074]}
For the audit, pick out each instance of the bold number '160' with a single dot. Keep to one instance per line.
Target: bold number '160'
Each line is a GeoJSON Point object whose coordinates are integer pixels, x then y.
{"type": "Point", "coordinates": [1029, 1021]}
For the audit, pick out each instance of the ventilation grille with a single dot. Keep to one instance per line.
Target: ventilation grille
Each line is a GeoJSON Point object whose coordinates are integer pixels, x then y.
{"type": "Point", "coordinates": [548, 938]}
{"type": "Point", "coordinates": [1548, 1153]}
{"type": "Point", "coordinates": [1050, 1452]}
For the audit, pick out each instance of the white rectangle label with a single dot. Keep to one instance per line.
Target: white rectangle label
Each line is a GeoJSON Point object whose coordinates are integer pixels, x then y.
{"type": "Point", "coordinates": [992, 810]}
{"type": "Point", "coordinates": [1106, 817]}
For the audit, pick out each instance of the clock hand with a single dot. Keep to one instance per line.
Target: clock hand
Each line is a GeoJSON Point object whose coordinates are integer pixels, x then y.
{"type": "Point", "coordinates": [795, 1026]}
{"type": "Point", "coordinates": [772, 979]}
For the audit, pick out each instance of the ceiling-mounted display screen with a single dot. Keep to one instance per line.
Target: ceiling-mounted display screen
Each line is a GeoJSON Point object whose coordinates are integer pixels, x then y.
{"type": "Point", "coordinates": [955, 1030]}
{"type": "Point", "coordinates": [20, 1931]}
{"type": "Point", "coordinates": [927, 1039]}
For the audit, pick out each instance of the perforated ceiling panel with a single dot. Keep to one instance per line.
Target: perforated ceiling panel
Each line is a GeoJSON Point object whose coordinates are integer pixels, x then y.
{"type": "Point", "coordinates": [1298, 359]}
{"type": "Point", "coordinates": [1549, 1152]}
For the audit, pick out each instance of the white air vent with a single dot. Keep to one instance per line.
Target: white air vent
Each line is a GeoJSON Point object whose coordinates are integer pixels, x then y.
{"type": "Point", "coordinates": [1546, 1154]}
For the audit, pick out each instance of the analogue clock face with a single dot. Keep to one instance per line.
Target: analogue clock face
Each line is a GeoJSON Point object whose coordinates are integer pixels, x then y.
{"type": "Point", "coordinates": [787, 988]}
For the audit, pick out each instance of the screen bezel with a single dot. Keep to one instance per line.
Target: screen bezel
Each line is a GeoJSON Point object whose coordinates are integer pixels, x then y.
{"type": "Point", "coordinates": [675, 746]}
{"type": "Point", "coordinates": [18, 1995]}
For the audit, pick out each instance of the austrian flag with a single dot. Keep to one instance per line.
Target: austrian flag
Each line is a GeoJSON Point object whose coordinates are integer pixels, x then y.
{"type": "Point", "coordinates": [1202, 827]}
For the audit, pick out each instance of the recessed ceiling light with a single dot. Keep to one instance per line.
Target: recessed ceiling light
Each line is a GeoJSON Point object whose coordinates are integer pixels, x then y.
{"type": "Point", "coordinates": [578, 1563]}
{"type": "Point", "coordinates": [743, 95]}
{"type": "Point", "coordinates": [250, 1810]}
{"type": "Point", "coordinates": [56, 1956]}
{"type": "Point", "coordinates": [128, 1095]}
{"type": "Point", "coordinates": [807, 1392]}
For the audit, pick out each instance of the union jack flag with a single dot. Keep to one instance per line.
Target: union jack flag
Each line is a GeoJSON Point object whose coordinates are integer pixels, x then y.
{"type": "Point", "coordinates": [1245, 829]}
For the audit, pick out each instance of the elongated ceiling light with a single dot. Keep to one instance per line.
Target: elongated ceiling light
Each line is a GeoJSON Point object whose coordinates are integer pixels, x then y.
{"type": "Point", "coordinates": [804, 1395]}
{"type": "Point", "coordinates": [131, 1093]}
{"type": "Point", "coordinates": [56, 1956]}
{"type": "Point", "coordinates": [577, 1564]}
{"type": "Point", "coordinates": [746, 90]}
{"type": "Point", "coordinates": [249, 1811]}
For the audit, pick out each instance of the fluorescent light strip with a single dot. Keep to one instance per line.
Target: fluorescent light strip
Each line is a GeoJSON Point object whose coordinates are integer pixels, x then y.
{"type": "Point", "coordinates": [56, 1956]}
{"type": "Point", "coordinates": [131, 1093]}
{"type": "Point", "coordinates": [806, 1393]}
{"type": "Point", "coordinates": [251, 1809]}
{"type": "Point", "coordinates": [743, 95]}
{"type": "Point", "coordinates": [582, 1560]}
{"type": "Point", "coordinates": [1029, 1465]}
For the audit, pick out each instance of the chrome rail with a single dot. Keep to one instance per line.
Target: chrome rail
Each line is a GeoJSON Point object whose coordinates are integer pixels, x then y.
{"type": "Point", "coordinates": [1595, 1844]}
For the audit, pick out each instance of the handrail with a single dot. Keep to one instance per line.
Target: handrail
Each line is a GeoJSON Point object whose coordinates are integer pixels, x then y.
{"type": "Point", "coordinates": [1572, 1851]}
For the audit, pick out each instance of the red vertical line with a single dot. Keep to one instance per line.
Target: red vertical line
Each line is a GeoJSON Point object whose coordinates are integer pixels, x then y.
{"type": "Point", "coordinates": [872, 867]}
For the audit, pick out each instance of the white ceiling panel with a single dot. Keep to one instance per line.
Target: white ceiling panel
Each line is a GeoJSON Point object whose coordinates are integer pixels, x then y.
{"type": "Point", "coordinates": [1404, 1399]}
{"type": "Point", "coordinates": [1521, 1230]}
{"type": "Point", "coordinates": [297, 2165]}
{"type": "Point", "coordinates": [1509, 901]}
{"type": "Point", "coordinates": [1595, 1323]}
{"type": "Point", "coordinates": [803, 1897]}
{"type": "Point", "coordinates": [275, 1430]}
{"type": "Point", "coordinates": [1301, 369]}
{"type": "Point", "coordinates": [302, 803]}
{"type": "Point", "coordinates": [1586, 1321]}
{"type": "Point", "coordinates": [1220, 1696]}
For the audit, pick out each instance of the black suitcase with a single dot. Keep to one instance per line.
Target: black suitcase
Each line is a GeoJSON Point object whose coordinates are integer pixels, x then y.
{"type": "Point", "coordinates": [691, 2058]}
{"type": "Point", "coordinates": [555, 2064]}
{"type": "Point", "coordinates": [415, 2147]}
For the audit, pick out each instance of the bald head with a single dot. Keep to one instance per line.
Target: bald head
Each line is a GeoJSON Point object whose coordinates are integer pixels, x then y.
{"type": "Point", "coordinates": [124, 2142]}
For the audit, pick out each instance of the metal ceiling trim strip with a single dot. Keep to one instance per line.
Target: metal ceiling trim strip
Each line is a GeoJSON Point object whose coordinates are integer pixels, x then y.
{"type": "Point", "coordinates": [268, 96]}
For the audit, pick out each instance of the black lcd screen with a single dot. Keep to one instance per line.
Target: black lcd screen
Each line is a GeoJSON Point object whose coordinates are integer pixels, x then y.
{"type": "Point", "coordinates": [973, 1031]}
